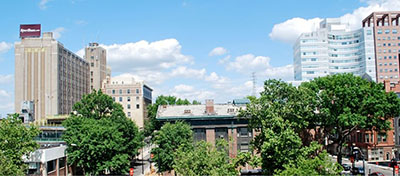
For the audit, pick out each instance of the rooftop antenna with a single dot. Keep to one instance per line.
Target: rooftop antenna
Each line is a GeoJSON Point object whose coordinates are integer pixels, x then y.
{"type": "Point", "coordinates": [253, 75]}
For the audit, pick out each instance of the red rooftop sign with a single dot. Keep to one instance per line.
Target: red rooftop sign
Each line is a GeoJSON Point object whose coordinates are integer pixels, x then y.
{"type": "Point", "coordinates": [29, 30]}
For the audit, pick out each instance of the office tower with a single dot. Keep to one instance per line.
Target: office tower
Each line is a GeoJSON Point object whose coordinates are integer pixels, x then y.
{"type": "Point", "coordinates": [96, 56]}
{"type": "Point", "coordinates": [334, 48]}
{"type": "Point", "coordinates": [385, 27]}
{"type": "Point", "coordinates": [134, 96]}
{"type": "Point", "coordinates": [49, 75]}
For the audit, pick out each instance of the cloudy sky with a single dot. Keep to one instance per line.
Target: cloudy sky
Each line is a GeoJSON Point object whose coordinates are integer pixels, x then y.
{"type": "Point", "coordinates": [190, 49]}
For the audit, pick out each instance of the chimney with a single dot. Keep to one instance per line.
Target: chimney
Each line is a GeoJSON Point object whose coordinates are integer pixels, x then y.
{"type": "Point", "coordinates": [387, 85]}
{"type": "Point", "coordinates": [210, 106]}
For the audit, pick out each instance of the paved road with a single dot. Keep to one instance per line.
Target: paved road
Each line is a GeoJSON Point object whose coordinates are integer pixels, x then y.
{"type": "Point", "coordinates": [370, 168]}
{"type": "Point", "coordinates": [142, 163]}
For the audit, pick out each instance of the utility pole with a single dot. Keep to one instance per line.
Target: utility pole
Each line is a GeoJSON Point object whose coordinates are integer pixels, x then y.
{"type": "Point", "coordinates": [253, 75]}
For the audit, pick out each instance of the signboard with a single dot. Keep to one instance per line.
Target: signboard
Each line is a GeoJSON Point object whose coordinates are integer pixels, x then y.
{"type": "Point", "coordinates": [131, 172]}
{"type": "Point", "coordinates": [29, 30]}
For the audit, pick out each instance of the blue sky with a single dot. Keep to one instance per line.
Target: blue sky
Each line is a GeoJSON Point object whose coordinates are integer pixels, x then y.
{"type": "Point", "coordinates": [190, 49]}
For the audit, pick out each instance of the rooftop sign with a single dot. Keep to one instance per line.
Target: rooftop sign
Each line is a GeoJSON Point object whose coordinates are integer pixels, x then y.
{"type": "Point", "coordinates": [29, 30]}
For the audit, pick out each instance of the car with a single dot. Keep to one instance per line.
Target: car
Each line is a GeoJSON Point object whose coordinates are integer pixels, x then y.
{"type": "Point", "coordinates": [346, 167]}
{"type": "Point", "coordinates": [376, 174]}
{"type": "Point", "coordinates": [358, 170]}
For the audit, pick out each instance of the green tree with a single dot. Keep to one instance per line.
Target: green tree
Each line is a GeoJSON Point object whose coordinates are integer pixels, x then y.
{"type": "Point", "coordinates": [346, 103]}
{"type": "Point", "coordinates": [280, 114]}
{"type": "Point", "coordinates": [167, 140]}
{"type": "Point", "coordinates": [16, 140]}
{"type": "Point", "coordinates": [204, 159]}
{"type": "Point", "coordinates": [319, 165]}
{"type": "Point", "coordinates": [152, 124]}
{"type": "Point", "coordinates": [100, 137]}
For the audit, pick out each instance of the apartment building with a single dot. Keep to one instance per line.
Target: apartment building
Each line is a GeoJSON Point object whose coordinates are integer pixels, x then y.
{"type": "Point", "coordinates": [334, 48]}
{"type": "Point", "coordinates": [211, 121]}
{"type": "Point", "coordinates": [96, 56]}
{"type": "Point", "coordinates": [49, 75]}
{"type": "Point", "coordinates": [134, 96]}
{"type": "Point", "coordinates": [385, 27]}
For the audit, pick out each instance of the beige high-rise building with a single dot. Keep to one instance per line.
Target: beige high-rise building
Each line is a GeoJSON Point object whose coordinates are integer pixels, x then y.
{"type": "Point", "coordinates": [50, 75]}
{"type": "Point", "coordinates": [96, 56]}
{"type": "Point", "coordinates": [134, 96]}
{"type": "Point", "coordinates": [386, 29]}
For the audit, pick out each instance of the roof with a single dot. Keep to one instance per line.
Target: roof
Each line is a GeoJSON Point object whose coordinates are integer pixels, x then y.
{"type": "Point", "coordinates": [175, 112]}
{"type": "Point", "coordinates": [241, 101]}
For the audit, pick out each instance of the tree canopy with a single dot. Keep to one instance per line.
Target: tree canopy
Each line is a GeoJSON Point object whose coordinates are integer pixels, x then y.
{"type": "Point", "coordinates": [100, 137]}
{"type": "Point", "coordinates": [167, 140]}
{"type": "Point", "coordinates": [16, 140]}
{"type": "Point", "coordinates": [345, 103]}
{"type": "Point", "coordinates": [204, 159]}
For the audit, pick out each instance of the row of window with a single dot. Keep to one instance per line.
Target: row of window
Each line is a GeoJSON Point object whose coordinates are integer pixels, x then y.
{"type": "Point", "coordinates": [387, 57]}
{"type": "Point", "coordinates": [127, 99]}
{"type": "Point", "coordinates": [386, 64]}
{"type": "Point", "coordinates": [389, 51]}
{"type": "Point", "coordinates": [388, 38]}
{"type": "Point", "coordinates": [391, 77]}
{"type": "Point", "coordinates": [387, 31]}
{"type": "Point", "coordinates": [387, 44]}
{"type": "Point", "coordinates": [128, 91]}
{"type": "Point", "coordinates": [388, 70]}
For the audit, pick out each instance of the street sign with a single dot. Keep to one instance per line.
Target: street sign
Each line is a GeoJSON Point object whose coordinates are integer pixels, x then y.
{"type": "Point", "coordinates": [131, 172]}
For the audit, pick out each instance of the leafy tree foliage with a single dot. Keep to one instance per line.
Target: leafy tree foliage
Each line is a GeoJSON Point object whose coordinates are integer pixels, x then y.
{"type": "Point", "coordinates": [204, 159]}
{"type": "Point", "coordinates": [152, 124]}
{"type": "Point", "coordinates": [16, 140]}
{"type": "Point", "coordinates": [346, 103]}
{"type": "Point", "coordinates": [100, 137]}
{"type": "Point", "coordinates": [279, 115]}
{"type": "Point", "coordinates": [319, 165]}
{"type": "Point", "coordinates": [168, 139]}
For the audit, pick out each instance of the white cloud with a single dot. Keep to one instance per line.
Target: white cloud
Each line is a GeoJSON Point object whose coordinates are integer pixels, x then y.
{"type": "Point", "coordinates": [4, 47]}
{"type": "Point", "coordinates": [291, 29]}
{"type": "Point", "coordinates": [218, 51]}
{"type": "Point", "coordinates": [57, 32]}
{"type": "Point", "coordinates": [225, 59]}
{"type": "Point", "coordinates": [182, 88]}
{"type": "Point", "coordinates": [130, 57]}
{"type": "Point", "coordinates": [43, 3]}
{"type": "Point", "coordinates": [183, 71]}
{"type": "Point", "coordinates": [6, 79]}
{"type": "Point", "coordinates": [4, 93]}
{"type": "Point", "coordinates": [249, 63]}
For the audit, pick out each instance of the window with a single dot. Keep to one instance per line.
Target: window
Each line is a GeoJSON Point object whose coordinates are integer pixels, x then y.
{"type": "Point", "coordinates": [120, 99]}
{"type": "Point", "coordinates": [128, 99]}
{"type": "Point", "coordinates": [137, 106]}
{"type": "Point", "coordinates": [387, 31]}
{"type": "Point", "coordinates": [129, 106]}
{"type": "Point", "coordinates": [137, 91]}
{"type": "Point", "coordinates": [92, 64]}
{"type": "Point", "coordinates": [367, 138]}
{"type": "Point", "coordinates": [379, 31]}
{"type": "Point", "coordinates": [128, 91]}
{"type": "Point", "coordinates": [51, 165]}
{"type": "Point", "coordinates": [91, 57]}
{"type": "Point", "coordinates": [137, 98]}
{"type": "Point", "coordinates": [310, 72]}
{"type": "Point", "coordinates": [221, 133]}
{"type": "Point", "coordinates": [313, 59]}
{"type": "Point", "coordinates": [120, 91]}
{"type": "Point", "coordinates": [199, 134]}
{"type": "Point", "coordinates": [129, 114]}
{"type": "Point", "coordinates": [91, 73]}
{"type": "Point", "coordinates": [113, 91]}
{"type": "Point", "coordinates": [113, 98]}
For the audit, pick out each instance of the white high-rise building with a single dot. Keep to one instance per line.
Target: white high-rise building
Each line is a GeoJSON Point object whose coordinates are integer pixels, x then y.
{"type": "Point", "coordinates": [334, 48]}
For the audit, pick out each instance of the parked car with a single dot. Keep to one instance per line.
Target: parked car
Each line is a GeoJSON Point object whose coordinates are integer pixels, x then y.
{"type": "Point", "coordinates": [358, 170]}
{"type": "Point", "coordinates": [376, 174]}
{"type": "Point", "coordinates": [346, 167]}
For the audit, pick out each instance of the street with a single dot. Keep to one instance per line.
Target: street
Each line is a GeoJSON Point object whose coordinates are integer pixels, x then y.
{"type": "Point", "coordinates": [369, 168]}
{"type": "Point", "coordinates": [142, 163]}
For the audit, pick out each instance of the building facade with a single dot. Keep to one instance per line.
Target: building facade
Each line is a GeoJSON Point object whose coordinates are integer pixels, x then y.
{"type": "Point", "coordinates": [386, 29]}
{"type": "Point", "coordinates": [211, 121]}
{"type": "Point", "coordinates": [49, 75]}
{"type": "Point", "coordinates": [96, 56]}
{"type": "Point", "coordinates": [134, 96]}
{"type": "Point", "coordinates": [332, 49]}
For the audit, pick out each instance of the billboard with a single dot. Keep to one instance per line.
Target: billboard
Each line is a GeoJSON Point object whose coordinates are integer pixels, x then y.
{"type": "Point", "coordinates": [29, 30]}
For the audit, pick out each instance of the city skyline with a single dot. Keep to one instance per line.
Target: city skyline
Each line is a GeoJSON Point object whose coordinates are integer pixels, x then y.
{"type": "Point", "coordinates": [194, 50]}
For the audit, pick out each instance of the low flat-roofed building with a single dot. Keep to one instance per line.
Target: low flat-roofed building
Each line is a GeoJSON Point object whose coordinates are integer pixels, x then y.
{"type": "Point", "coordinates": [212, 121]}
